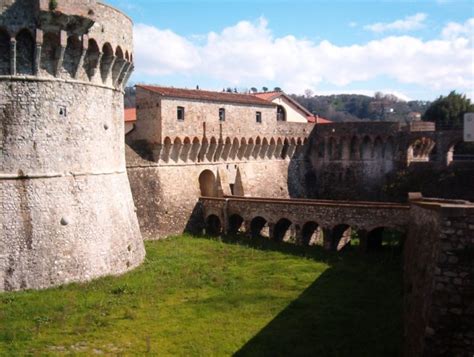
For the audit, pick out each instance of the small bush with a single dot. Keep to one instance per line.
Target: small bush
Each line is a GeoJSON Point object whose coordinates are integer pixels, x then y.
{"type": "Point", "coordinates": [53, 5]}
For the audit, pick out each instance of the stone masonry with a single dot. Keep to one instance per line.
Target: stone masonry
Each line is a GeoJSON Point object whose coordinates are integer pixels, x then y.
{"type": "Point", "coordinates": [66, 208]}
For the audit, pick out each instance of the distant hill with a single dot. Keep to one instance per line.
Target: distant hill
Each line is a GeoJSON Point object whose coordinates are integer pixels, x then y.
{"type": "Point", "coordinates": [355, 107]}
{"type": "Point", "coordinates": [346, 107]}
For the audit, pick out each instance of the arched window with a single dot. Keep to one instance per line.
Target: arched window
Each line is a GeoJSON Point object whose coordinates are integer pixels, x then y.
{"type": "Point", "coordinates": [4, 53]}
{"type": "Point", "coordinates": [25, 50]}
{"type": "Point", "coordinates": [281, 113]}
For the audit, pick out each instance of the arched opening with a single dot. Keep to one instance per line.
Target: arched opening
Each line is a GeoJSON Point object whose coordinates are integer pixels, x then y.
{"type": "Point", "coordinates": [106, 61]}
{"type": "Point", "coordinates": [291, 149]}
{"type": "Point", "coordinates": [212, 149]}
{"type": "Point", "coordinates": [461, 152]}
{"type": "Point", "coordinates": [389, 149]}
{"type": "Point", "coordinates": [219, 150]}
{"type": "Point", "coordinates": [203, 150]}
{"type": "Point", "coordinates": [4, 53]}
{"type": "Point", "coordinates": [264, 148]}
{"type": "Point", "coordinates": [259, 228]}
{"type": "Point", "coordinates": [332, 148]}
{"type": "Point", "coordinates": [420, 150]}
{"type": "Point", "coordinates": [282, 232]}
{"type": "Point", "coordinates": [234, 149]}
{"type": "Point", "coordinates": [236, 224]}
{"type": "Point", "coordinates": [91, 61]}
{"type": "Point", "coordinates": [213, 225]}
{"type": "Point", "coordinates": [311, 234]}
{"type": "Point", "coordinates": [256, 149]}
{"type": "Point", "coordinates": [166, 149]}
{"type": "Point", "coordinates": [366, 149]}
{"type": "Point", "coordinates": [281, 113]}
{"type": "Point", "coordinates": [248, 151]}
{"type": "Point", "coordinates": [118, 65]}
{"type": "Point", "coordinates": [271, 148]}
{"type": "Point", "coordinates": [321, 147]}
{"type": "Point", "coordinates": [72, 56]}
{"type": "Point", "coordinates": [278, 149]}
{"type": "Point", "coordinates": [227, 149]}
{"type": "Point", "coordinates": [193, 155]}
{"type": "Point", "coordinates": [344, 149]}
{"type": "Point", "coordinates": [341, 237]}
{"type": "Point", "coordinates": [354, 150]}
{"type": "Point", "coordinates": [285, 148]}
{"type": "Point", "coordinates": [175, 151]}
{"type": "Point", "coordinates": [49, 53]}
{"type": "Point", "coordinates": [383, 238]}
{"type": "Point", "coordinates": [378, 148]}
{"type": "Point", "coordinates": [207, 183]}
{"type": "Point", "coordinates": [183, 156]}
{"type": "Point", "coordinates": [25, 52]}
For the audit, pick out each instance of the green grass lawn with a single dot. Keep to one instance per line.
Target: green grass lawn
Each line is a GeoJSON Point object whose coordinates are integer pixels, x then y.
{"type": "Point", "coordinates": [205, 297]}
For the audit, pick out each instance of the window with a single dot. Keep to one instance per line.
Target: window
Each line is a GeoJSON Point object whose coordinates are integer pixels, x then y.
{"type": "Point", "coordinates": [180, 114]}
{"type": "Point", "coordinates": [221, 114]}
{"type": "Point", "coordinates": [258, 117]}
{"type": "Point", "coordinates": [281, 113]}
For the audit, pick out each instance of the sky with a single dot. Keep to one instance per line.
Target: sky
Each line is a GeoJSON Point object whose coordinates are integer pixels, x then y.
{"type": "Point", "coordinates": [417, 50]}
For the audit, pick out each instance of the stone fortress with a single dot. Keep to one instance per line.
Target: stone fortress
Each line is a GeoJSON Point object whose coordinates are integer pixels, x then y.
{"type": "Point", "coordinates": [66, 208]}
{"type": "Point", "coordinates": [199, 160]}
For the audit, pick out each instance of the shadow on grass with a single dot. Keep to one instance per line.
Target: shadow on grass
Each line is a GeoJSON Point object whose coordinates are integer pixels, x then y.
{"type": "Point", "coordinates": [353, 309]}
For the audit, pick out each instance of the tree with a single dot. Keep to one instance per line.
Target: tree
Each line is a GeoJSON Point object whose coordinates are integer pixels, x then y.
{"type": "Point", "coordinates": [448, 112]}
{"type": "Point", "coordinates": [254, 90]}
{"type": "Point", "coordinates": [308, 93]}
{"type": "Point", "coordinates": [277, 89]}
{"type": "Point", "coordinates": [265, 89]}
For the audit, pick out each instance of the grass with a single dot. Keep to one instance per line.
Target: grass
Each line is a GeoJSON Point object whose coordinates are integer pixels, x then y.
{"type": "Point", "coordinates": [207, 297]}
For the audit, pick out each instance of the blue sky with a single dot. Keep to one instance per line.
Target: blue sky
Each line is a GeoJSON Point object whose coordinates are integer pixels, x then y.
{"type": "Point", "coordinates": [414, 49]}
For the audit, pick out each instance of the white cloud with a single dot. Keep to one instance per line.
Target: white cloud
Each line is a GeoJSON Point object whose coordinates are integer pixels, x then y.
{"type": "Point", "coordinates": [353, 24]}
{"type": "Point", "coordinates": [247, 54]}
{"type": "Point", "coordinates": [409, 23]}
{"type": "Point", "coordinates": [454, 29]}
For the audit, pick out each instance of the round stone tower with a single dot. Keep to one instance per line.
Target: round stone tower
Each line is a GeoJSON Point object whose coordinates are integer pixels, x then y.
{"type": "Point", "coordinates": [66, 208]}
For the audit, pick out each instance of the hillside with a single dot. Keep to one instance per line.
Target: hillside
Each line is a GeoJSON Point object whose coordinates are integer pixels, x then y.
{"type": "Point", "coordinates": [354, 107]}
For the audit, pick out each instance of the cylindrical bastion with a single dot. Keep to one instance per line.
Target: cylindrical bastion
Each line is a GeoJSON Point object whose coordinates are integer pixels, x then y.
{"type": "Point", "coordinates": [67, 213]}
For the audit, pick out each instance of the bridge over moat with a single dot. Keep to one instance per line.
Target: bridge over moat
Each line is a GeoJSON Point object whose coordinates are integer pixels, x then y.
{"type": "Point", "coordinates": [307, 222]}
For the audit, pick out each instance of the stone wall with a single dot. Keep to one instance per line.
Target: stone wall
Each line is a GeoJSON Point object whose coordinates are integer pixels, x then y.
{"type": "Point", "coordinates": [371, 161]}
{"type": "Point", "coordinates": [167, 194]}
{"type": "Point", "coordinates": [66, 208]}
{"type": "Point", "coordinates": [439, 280]}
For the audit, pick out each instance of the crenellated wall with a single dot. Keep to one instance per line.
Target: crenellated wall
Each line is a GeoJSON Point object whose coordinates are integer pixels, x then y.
{"type": "Point", "coordinates": [66, 208]}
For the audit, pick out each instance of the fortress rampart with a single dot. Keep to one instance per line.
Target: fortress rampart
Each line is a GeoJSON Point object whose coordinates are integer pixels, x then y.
{"type": "Point", "coordinates": [66, 209]}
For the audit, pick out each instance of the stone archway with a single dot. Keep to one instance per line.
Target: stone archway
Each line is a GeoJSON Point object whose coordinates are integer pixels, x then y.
{"type": "Point", "coordinates": [207, 183]}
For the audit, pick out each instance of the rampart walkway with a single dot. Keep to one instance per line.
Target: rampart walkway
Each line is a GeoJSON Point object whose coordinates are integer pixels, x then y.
{"type": "Point", "coordinates": [304, 221]}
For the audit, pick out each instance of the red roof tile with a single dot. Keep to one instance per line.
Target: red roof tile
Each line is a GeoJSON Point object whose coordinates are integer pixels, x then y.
{"type": "Point", "coordinates": [207, 95]}
{"type": "Point", "coordinates": [318, 120]}
{"type": "Point", "coordinates": [130, 114]}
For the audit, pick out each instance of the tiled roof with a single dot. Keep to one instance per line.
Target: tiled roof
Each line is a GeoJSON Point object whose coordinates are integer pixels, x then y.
{"type": "Point", "coordinates": [207, 95]}
{"type": "Point", "coordinates": [130, 114]}
{"type": "Point", "coordinates": [318, 120]}
{"type": "Point", "coordinates": [268, 95]}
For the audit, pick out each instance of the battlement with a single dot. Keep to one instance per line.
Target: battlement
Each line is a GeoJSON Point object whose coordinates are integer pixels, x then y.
{"type": "Point", "coordinates": [75, 40]}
